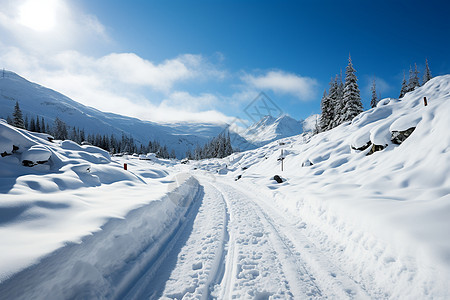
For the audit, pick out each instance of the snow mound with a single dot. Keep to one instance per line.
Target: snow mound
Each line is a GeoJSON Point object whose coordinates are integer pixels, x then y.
{"type": "Point", "coordinates": [36, 154]}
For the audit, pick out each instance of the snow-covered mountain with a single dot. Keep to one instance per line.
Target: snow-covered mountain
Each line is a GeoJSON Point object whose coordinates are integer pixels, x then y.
{"type": "Point", "coordinates": [35, 99]}
{"type": "Point", "coordinates": [269, 129]}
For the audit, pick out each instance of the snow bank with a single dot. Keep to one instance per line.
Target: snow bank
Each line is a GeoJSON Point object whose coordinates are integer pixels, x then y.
{"type": "Point", "coordinates": [385, 217]}
{"type": "Point", "coordinates": [107, 263]}
{"type": "Point", "coordinates": [76, 223]}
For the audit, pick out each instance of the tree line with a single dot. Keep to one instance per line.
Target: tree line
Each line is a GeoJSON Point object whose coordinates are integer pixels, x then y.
{"type": "Point", "coordinates": [218, 147]}
{"type": "Point", "coordinates": [342, 102]}
{"type": "Point", "coordinates": [413, 80]}
{"type": "Point", "coordinates": [61, 131]}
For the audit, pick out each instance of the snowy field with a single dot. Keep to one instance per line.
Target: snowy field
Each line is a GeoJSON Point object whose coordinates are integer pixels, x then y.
{"type": "Point", "coordinates": [363, 212]}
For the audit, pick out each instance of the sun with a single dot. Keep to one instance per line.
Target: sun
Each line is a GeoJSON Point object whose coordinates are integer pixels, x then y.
{"type": "Point", "coordinates": [38, 15]}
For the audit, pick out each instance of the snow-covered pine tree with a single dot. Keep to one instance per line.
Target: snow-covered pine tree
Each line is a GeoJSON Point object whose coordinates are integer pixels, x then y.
{"type": "Point", "coordinates": [327, 112]}
{"type": "Point", "coordinates": [413, 78]}
{"type": "Point", "coordinates": [60, 130]}
{"type": "Point", "coordinates": [228, 147]}
{"type": "Point", "coordinates": [404, 88]}
{"type": "Point", "coordinates": [18, 117]}
{"type": "Point", "coordinates": [374, 101]}
{"type": "Point", "coordinates": [416, 76]}
{"type": "Point", "coordinates": [352, 99]}
{"type": "Point", "coordinates": [334, 103]}
{"type": "Point", "coordinates": [338, 101]}
{"type": "Point", "coordinates": [427, 74]}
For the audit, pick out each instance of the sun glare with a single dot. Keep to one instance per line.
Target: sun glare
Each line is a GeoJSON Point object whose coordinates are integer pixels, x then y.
{"type": "Point", "coordinates": [38, 15]}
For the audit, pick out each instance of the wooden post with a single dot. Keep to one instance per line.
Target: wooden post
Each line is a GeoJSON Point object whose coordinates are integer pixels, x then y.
{"type": "Point", "coordinates": [125, 166]}
{"type": "Point", "coordinates": [425, 101]}
{"type": "Point", "coordinates": [282, 160]}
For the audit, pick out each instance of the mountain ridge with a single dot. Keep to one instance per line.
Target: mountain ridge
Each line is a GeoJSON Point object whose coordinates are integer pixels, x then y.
{"type": "Point", "coordinates": [37, 100]}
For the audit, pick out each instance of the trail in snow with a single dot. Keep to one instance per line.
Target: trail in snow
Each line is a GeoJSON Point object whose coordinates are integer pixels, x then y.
{"type": "Point", "coordinates": [234, 249]}
{"type": "Point", "coordinates": [287, 266]}
{"type": "Point", "coordinates": [200, 261]}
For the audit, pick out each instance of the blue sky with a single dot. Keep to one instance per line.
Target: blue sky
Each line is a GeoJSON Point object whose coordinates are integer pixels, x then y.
{"type": "Point", "coordinates": [207, 60]}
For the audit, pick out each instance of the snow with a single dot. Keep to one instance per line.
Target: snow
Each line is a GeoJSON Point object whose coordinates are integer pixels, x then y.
{"type": "Point", "coordinates": [269, 129]}
{"type": "Point", "coordinates": [386, 214]}
{"type": "Point", "coordinates": [37, 153]}
{"type": "Point", "coordinates": [342, 224]}
{"type": "Point", "coordinates": [74, 203]}
{"type": "Point", "coordinates": [36, 100]}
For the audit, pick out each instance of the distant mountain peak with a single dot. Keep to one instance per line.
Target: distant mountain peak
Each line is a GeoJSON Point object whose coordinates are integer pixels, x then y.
{"type": "Point", "coordinates": [270, 128]}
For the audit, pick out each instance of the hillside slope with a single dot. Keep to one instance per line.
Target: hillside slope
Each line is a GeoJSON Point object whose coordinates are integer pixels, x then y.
{"type": "Point", "coordinates": [384, 216]}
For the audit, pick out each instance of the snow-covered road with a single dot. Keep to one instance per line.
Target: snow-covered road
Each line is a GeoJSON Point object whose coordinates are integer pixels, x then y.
{"type": "Point", "coordinates": [234, 244]}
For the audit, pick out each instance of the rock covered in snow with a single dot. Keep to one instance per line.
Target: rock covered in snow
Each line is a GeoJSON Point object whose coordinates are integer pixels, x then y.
{"type": "Point", "coordinates": [37, 154]}
{"type": "Point", "coordinates": [278, 179]}
{"type": "Point", "coordinates": [399, 137]}
{"type": "Point", "coordinates": [307, 163]}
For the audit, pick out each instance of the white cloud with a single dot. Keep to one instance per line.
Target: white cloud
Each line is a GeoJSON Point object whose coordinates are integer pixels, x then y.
{"type": "Point", "coordinates": [114, 83]}
{"type": "Point", "coordinates": [303, 88]}
{"type": "Point", "coordinates": [187, 102]}
{"type": "Point", "coordinates": [132, 69]}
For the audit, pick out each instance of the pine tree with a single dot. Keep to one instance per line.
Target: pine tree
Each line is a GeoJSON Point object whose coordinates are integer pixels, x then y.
{"type": "Point", "coordinates": [413, 78]}
{"type": "Point", "coordinates": [427, 74]}
{"type": "Point", "coordinates": [338, 102]}
{"type": "Point", "coordinates": [189, 154]}
{"type": "Point", "coordinates": [82, 135]}
{"type": "Point", "coordinates": [73, 135]}
{"type": "Point", "coordinates": [334, 103]}
{"type": "Point", "coordinates": [32, 126]}
{"type": "Point", "coordinates": [9, 120]}
{"type": "Point", "coordinates": [374, 101]}
{"type": "Point", "coordinates": [38, 125]}
{"type": "Point", "coordinates": [43, 128]}
{"type": "Point", "coordinates": [26, 123]}
{"type": "Point", "coordinates": [18, 117]}
{"type": "Point", "coordinates": [404, 88]}
{"type": "Point", "coordinates": [60, 130]}
{"type": "Point", "coordinates": [327, 112]}
{"type": "Point", "coordinates": [228, 147]}
{"type": "Point", "coordinates": [352, 99]}
{"type": "Point", "coordinates": [416, 76]}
